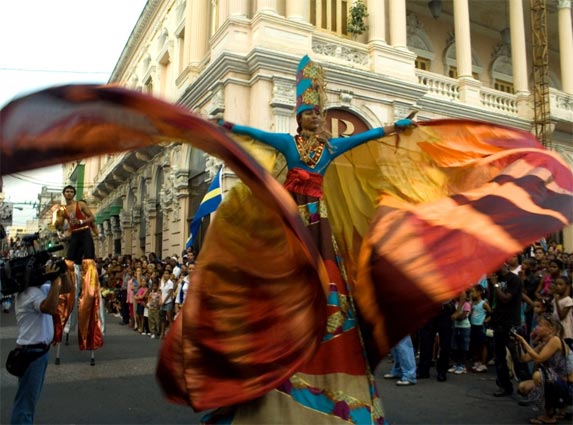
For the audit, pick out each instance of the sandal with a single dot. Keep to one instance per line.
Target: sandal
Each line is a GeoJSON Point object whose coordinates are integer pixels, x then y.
{"type": "Point", "coordinates": [542, 420]}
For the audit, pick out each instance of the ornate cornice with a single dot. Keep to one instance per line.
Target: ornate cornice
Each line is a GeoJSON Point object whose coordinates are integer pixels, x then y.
{"type": "Point", "coordinates": [145, 19]}
{"type": "Point", "coordinates": [335, 49]}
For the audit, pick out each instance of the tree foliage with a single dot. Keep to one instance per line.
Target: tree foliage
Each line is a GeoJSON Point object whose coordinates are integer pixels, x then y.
{"type": "Point", "coordinates": [358, 12]}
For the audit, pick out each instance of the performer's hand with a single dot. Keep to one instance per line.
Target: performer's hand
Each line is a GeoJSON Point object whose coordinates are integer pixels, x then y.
{"type": "Point", "coordinates": [223, 123]}
{"type": "Point", "coordinates": [404, 124]}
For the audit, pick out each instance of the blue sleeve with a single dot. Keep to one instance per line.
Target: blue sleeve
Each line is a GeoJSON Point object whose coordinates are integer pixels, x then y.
{"type": "Point", "coordinates": [276, 140]}
{"type": "Point", "coordinates": [343, 144]}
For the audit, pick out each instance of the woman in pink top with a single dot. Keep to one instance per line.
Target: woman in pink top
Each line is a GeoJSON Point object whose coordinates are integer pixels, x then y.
{"type": "Point", "coordinates": [141, 300]}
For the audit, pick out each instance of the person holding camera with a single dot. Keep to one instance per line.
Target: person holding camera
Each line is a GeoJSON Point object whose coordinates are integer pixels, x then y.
{"type": "Point", "coordinates": [506, 291]}
{"type": "Point", "coordinates": [553, 377]}
{"type": "Point", "coordinates": [35, 308]}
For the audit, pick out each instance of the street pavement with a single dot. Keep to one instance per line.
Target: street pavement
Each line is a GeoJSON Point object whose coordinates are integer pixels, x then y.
{"type": "Point", "coordinates": [121, 388]}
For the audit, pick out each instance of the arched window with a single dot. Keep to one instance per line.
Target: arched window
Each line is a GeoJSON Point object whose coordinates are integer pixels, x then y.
{"type": "Point", "coordinates": [502, 67]}
{"type": "Point", "coordinates": [502, 74]}
{"type": "Point", "coordinates": [451, 62]}
{"type": "Point", "coordinates": [419, 43]}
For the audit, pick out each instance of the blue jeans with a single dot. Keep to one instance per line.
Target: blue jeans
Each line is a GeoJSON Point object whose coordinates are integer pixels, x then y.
{"type": "Point", "coordinates": [29, 388]}
{"type": "Point", "coordinates": [404, 360]}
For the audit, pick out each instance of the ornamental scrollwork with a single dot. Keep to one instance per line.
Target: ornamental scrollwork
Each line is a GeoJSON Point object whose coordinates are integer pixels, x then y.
{"type": "Point", "coordinates": [335, 50]}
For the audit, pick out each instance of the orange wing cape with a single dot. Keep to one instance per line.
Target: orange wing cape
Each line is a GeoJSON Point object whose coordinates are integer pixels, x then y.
{"type": "Point", "coordinates": [418, 221]}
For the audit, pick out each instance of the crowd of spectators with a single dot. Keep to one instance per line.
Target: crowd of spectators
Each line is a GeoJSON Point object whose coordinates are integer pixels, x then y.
{"type": "Point", "coordinates": [145, 292]}
{"type": "Point", "coordinates": [528, 299]}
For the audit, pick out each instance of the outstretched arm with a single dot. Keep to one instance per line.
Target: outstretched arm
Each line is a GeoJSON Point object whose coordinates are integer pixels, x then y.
{"type": "Point", "coordinates": [276, 140]}
{"type": "Point", "coordinates": [343, 144]}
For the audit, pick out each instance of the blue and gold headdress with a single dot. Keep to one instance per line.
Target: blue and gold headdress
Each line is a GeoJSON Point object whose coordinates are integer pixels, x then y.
{"type": "Point", "coordinates": [310, 86]}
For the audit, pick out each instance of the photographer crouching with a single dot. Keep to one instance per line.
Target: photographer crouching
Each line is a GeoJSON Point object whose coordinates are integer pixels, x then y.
{"type": "Point", "coordinates": [36, 307]}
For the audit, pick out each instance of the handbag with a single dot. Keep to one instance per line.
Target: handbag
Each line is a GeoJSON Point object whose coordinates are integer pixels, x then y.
{"type": "Point", "coordinates": [20, 358]}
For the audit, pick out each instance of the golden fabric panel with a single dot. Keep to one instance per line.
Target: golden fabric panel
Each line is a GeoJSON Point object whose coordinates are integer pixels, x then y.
{"type": "Point", "coordinates": [418, 219]}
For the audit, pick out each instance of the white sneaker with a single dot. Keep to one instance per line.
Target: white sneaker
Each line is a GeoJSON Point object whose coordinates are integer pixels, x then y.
{"type": "Point", "coordinates": [402, 383]}
{"type": "Point", "coordinates": [152, 336]}
{"type": "Point", "coordinates": [481, 368]}
{"type": "Point", "coordinates": [452, 369]}
{"type": "Point", "coordinates": [460, 369]}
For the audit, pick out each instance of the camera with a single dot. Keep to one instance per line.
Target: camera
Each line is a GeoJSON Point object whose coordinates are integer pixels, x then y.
{"type": "Point", "coordinates": [17, 274]}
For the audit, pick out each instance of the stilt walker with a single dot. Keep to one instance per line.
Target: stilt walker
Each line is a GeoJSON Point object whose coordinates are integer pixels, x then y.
{"type": "Point", "coordinates": [80, 254]}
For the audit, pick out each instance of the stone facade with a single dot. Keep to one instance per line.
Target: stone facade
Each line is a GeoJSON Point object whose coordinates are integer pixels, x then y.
{"type": "Point", "coordinates": [237, 59]}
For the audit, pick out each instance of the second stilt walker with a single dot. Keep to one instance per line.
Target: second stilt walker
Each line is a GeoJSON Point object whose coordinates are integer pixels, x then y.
{"type": "Point", "coordinates": [77, 220]}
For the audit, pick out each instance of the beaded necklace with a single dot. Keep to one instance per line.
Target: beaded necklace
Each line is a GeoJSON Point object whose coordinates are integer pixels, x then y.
{"type": "Point", "coordinates": [309, 149]}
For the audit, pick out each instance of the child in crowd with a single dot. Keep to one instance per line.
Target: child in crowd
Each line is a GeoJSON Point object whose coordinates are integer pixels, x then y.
{"type": "Point", "coordinates": [563, 307]}
{"type": "Point", "coordinates": [461, 335]}
{"type": "Point", "coordinates": [554, 270]}
{"type": "Point", "coordinates": [540, 307]}
{"type": "Point", "coordinates": [478, 339]}
{"type": "Point", "coordinates": [153, 305]}
{"type": "Point", "coordinates": [167, 288]}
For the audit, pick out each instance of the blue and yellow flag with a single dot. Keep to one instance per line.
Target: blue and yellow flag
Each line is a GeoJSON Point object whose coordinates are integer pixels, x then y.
{"type": "Point", "coordinates": [208, 205]}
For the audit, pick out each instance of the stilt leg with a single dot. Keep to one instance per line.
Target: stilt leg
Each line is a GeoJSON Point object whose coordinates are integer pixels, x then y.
{"type": "Point", "coordinates": [57, 362]}
{"type": "Point", "coordinates": [93, 360]}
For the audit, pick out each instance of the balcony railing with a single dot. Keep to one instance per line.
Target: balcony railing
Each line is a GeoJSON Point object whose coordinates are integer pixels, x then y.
{"type": "Point", "coordinates": [439, 85]}
{"type": "Point", "coordinates": [560, 105]}
{"type": "Point", "coordinates": [499, 101]}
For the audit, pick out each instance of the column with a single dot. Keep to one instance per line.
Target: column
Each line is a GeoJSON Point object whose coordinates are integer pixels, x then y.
{"type": "Point", "coordinates": [238, 7]}
{"type": "Point", "coordinates": [469, 87]}
{"type": "Point", "coordinates": [187, 36]}
{"type": "Point", "coordinates": [295, 10]}
{"type": "Point", "coordinates": [108, 241]}
{"type": "Point", "coordinates": [376, 21]}
{"type": "Point", "coordinates": [198, 31]}
{"type": "Point", "coordinates": [394, 59]}
{"type": "Point", "coordinates": [463, 40]}
{"type": "Point", "coordinates": [565, 45]}
{"type": "Point", "coordinates": [518, 49]}
{"type": "Point", "coordinates": [267, 6]}
{"type": "Point", "coordinates": [116, 234]}
{"type": "Point", "coordinates": [397, 14]}
{"type": "Point", "coordinates": [518, 58]}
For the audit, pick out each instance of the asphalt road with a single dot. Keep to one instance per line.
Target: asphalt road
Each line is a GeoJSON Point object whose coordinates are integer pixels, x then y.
{"type": "Point", "coordinates": [121, 388]}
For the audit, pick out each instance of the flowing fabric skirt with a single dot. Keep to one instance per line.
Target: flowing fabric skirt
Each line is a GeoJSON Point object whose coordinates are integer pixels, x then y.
{"type": "Point", "coordinates": [336, 384]}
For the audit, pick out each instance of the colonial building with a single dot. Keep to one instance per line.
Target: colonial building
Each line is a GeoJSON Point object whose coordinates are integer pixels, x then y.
{"type": "Point", "coordinates": [237, 59]}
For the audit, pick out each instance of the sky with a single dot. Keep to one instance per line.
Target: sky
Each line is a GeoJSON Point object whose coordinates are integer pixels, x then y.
{"type": "Point", "coordinates": [45, 43]}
